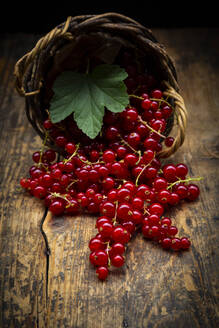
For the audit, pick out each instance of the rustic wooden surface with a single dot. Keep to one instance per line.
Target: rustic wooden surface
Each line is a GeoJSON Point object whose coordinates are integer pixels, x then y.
{"type": "Point", "coordinates": [45, 276]}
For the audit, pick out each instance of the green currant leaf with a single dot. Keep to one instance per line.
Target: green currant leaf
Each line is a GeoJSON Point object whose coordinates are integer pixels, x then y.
{"type": "Point", "coordinates": [87, 95]}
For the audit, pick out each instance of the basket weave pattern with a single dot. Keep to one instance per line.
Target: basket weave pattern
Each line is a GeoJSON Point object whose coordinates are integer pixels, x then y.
{"type": "Point", "coordinates": [99, 32]}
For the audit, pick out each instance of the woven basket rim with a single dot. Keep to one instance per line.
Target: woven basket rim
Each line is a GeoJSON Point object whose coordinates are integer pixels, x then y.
{"type": "Point", "coordinates": [28, 70]}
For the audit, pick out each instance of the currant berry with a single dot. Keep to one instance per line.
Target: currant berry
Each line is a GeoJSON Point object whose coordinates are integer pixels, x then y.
{"type": "Point", "coordinates": [112, 133]}
{"type": "Point", "coordinates": [121, 151]}
{"type": "Point", "coordinates": [133, 139]}
{"type": "Point", "coordinates": [169, 172]}
{"type": "Point", "coordinates": [108, 209]}
{"type": "Point", "coordinates": [176, 244]}
{"type": "Point", "coordinates": [129, 226]}
{"type": "Point", "coordinates": [146, 231]}
{"type": "Point", "coordinates": [181, 170]}
{"type": "Point", "coordinates": [61, 141]}
{"type": "Point", "coordinates": [47, 180]}
{"type": "Point", "coordinates": [192, 192]}
{"type": "Point", "coordinates": [166, 243]}
{"type": "Point", "coordinates": [99, 258]}
{"type": "Point", "coordinates": [169, 141]}
{"type": "Point", "coordinates": [131, 186]}
{"type": "Point", "coordinates": [50, 155]}
{"type": "Point", "coordinates": [101, 220]}
{"type": "Point", "coordinates": [172, 230]}
{"type": "Point", "coordinates": [56, 174]}
{"type": "Point", "coordinates": [123, 194]}
{"type": "Point", "coordinates": [146, 104]}
{"type": "Point", "coordinates": [150, 172]}
{"type": "Point", "coordinates": [109, 156]}
{"type": "Point", "coordinates": [154, 105]}
{"type": "Point", "coordinates": [57, 207]}
{"type": "Point", "coordinates": [124, 211]}
{"type": "Point", "coordinates": [72, 207]}
{"type": "Point", "coordinates": [90, 193]}
{"type": "Point", "coordinates": [131, 114]}
{"type": "Point", "coordinates": [121, 235]}
{"type": "Point", "coordinates": [47, 124]}
{"type": "Point", "coordinates": [137, 203]}
{"type": "Point", "coordinates": [25, 183]}
{"type": "Point", "coordinates": [153, 219]}
{"type": "Point", "coordinates": [39, 192]}
{"type": "Point", "coordinates": [159, 184]}
{"type": "Point", "coordinates": [154, 231]}
{"type": "Point", "coordinates": [69, 167]}
{"type": "Point", "coordinates": [70, 148]}
{"type": "Point", "coordinates": [130, 159]}
{"type": "Point", "coordinates": [116, 169]}
{"type": "Point", "coordinates": [117, 248]}
{"type": "Point", "coordinates": [103, 171]}
{"type": "Point", "coordinates": [150, 143]}
{"type": "Point", "coordinates": [174, 198]}
{"type": "Point", "coordinates": [166, 111]}
{"type": "Point", "coordinates": [185, 243]}
{"type": "Point", "coordinates": [142, 130]}
{"type": "Point", "coordinates": [156, 94]}
{"type": "Point", "coordinates": [108, 183]}
{"type": "Point", "coordinates": [36, 156]}
{"type": "Point", "coordinates": [166, 221]}
{"type": "Point", "coordinates": [106, 229]}
{"type": "Point", "coordinates": [163, 196]}
{"type": "Point", "coordinates": [182, 191]}
{"type": "Point", "coordinates": [137, 217]}
{"type": "Point", "coordinates": [143, 191]}
{"type": "Point", "coordinates": [117, 260]}
{"type": "Point", "coordinates": [102, 272]}
{"type": "Point", "coordinates": [148, 156]}
{"type": "Point", "coordinates": [156, 208]}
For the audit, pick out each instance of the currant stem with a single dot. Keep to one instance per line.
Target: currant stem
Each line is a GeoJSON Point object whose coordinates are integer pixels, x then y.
{"type": "Point", "coordinates": [153, 99]}
{"type": "Point", "coordinates": [71, 184]}
{"type": "Point", "coordinates": [145, 166]}
{"type": "Point", "coordinates": [128, 145]}
{"type": "Point", "coordinates": [56, 194]}
{"type": "Point", "coordinates": [90, 163]}
{"type": "Point", "coordinates": [150, 128]}
{"type": "Point", "coordinates": [137, 97]}
{"type": "Point", "coordinates": [139, 157]}
{"type": "Point", "coordinates": [145, 209]}
{"type": "Point", "coordinates": [161, 100]}
{"type": "Point", "coordinates": [107, 251]}
{"type": "Point", "coordinates": [43, 146]}
{"type": "Point", "coordinates": [136, 181]}
{"type": "Point", "coordinates": [182, 181]}
{"type": "Point", "coordinates": [114, 218]}
{"type": "Point", "coordinates": [66, 160]}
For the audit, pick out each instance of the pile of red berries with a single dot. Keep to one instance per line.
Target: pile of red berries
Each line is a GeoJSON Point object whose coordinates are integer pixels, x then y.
{"type": "Point", "coordinates": [118, 177]}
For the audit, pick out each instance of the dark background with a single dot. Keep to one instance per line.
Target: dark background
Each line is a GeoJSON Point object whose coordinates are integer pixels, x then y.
{"type": "Point", "coordinates": [41, 17]}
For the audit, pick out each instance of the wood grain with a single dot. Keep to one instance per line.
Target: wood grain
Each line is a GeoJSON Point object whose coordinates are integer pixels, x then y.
{"type": "Point", "coordinates": [22, 247]}
{"type": "Point", "coordinates": [155, 288]}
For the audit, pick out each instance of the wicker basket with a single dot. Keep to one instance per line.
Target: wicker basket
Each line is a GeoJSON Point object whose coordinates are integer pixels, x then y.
{"type": "Point", "coordinates": [68, 45]}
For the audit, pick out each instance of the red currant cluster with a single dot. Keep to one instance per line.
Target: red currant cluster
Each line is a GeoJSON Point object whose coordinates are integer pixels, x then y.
{"type": "Point", "coordinates": [118, 176]}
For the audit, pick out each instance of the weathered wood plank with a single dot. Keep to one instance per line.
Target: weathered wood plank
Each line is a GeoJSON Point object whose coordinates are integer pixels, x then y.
{"type": "Point", "coordinates": [22, 246]}
{"type": "Point", "coordinates": [155, 288]}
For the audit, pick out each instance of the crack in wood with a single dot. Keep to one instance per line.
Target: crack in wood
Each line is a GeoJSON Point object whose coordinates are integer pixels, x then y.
{"type": "Point", "coordinates": [47, 251]}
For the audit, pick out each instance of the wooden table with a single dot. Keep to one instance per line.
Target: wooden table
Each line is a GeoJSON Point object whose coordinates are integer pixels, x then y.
{"type": "Point", "coordinates": [46, 279]}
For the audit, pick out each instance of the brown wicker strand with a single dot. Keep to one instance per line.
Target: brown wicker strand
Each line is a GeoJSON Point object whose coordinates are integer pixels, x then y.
{"type": "Point", "coordinates": [181, 117]}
